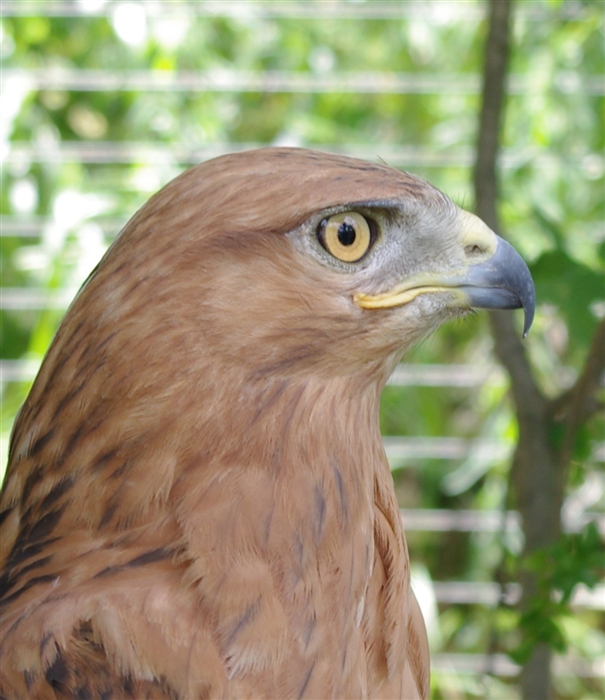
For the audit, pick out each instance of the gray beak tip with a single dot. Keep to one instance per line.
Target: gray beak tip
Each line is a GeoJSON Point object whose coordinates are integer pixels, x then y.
{"type": "Point", "coordinates": [503, 282]}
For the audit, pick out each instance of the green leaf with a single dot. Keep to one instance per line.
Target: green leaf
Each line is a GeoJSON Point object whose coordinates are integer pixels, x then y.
{"type": "Point", "coordinates": [571, 286]}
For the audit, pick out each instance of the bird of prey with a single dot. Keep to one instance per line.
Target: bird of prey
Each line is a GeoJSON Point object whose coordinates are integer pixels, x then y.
{"type": "Point", "coordinates": [198, 503]}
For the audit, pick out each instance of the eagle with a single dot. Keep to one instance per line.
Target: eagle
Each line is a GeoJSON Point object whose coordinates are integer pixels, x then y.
{"type": "Point", "coordinates": [197, 502]}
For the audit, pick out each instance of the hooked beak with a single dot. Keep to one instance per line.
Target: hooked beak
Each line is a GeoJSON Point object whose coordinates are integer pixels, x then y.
{"type": "Point", "coordinates": [496, 277]}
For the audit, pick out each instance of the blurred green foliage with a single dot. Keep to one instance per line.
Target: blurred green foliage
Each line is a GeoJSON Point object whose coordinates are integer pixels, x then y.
{"type": "Point", "coordinates": [552, 209]}
{"type": "Point", "coordinates": [576, 559]}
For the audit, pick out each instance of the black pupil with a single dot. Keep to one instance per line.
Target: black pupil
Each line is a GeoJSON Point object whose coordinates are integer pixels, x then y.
{"type": "Point", "coordinates": [346, 234]}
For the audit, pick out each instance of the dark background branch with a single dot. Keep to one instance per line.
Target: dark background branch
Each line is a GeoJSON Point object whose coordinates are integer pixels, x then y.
{"type": "Point", "coordinates": [575, 406]}
{"type": "Point", "coordinates": [534, 462]}
{"type": "Point", "coordinates": [540, 468]}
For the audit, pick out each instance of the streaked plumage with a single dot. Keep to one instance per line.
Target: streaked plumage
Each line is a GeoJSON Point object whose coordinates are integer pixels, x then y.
{"type": "Point", "coordinates": [197, 503]}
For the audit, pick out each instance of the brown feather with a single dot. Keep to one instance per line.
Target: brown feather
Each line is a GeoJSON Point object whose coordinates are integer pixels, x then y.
{"type": "Point", "coordinates": [197, 503]}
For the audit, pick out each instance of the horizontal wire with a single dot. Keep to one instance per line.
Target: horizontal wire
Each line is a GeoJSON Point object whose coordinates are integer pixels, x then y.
{"type": "Point", "coordinates": [445, 375]}
{"type": "Point", "coordinates": [441, 520]}
{"type": "Point", "coordinates": [120, 152]}
{"type": "Point", "coordinates": [235, 9]}
{"type": "Point", "coordinates": [481, 450]}
{"type": "Point", "coordinates": [491, 593]}
{"type": "Point", "coordinates": [501, 665]}
{"type": "Point", "coordinates": [37, 299]}
{"type": "Point", "coordinates": [444, 12]}
{"type": "Point", "coordinates": [129, 152]}
{"type": "Point", "coordinates": [489, 450]}
{"type": "Point", "coordinates": [228, 80]}
{"type": "Point", "coordinates": [35, 226]}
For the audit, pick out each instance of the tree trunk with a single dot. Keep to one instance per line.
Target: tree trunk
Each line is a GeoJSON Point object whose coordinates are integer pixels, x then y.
{"type": "Point", "coordinates": [534, 476]}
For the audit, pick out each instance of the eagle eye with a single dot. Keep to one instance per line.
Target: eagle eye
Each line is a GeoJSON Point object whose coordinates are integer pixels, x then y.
{"type": "Point", "coordinates": [347, 235]}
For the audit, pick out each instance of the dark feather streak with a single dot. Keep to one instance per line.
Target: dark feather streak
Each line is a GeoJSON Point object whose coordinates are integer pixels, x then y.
{"type": "Point", "coordinates": [41, 442]}
{"type": "Point", "coordinates": [33, 477]}
{"type": "Point", "coordinates": [57, 491]}
{"type": "Point", "coordinates": [341, 491]}
{"type": "Point", "coordinates": [4, 514]}
{"type": "Point", "coordinates": [306, 681]}
{"type": "Point", "coordinates": [83, 693]}
{"type": "Point", "coordinates": [73, 439]}
{"type": "Point", "coordinates": [320, 510]}
{"type": "Point", "coordinates": [143, 559]}
{"type": "Point", "coordinates": [21, 551]}
{"type": "Point", "coordinates": [264, 407]}
{"type": "Point", "coordinates": [309, 628]}
{"type": "Point", "coordinates": [248, 615]}
{"type": "Point", "coordinates": [108, 513]}
{"type": "Point", "coordinates": [106, 457]}
{"type": "Point", "coordinates": [44, 641]}
{"type": "Point", "coordinates": [127, 685]}
{"type": "Point", "coordinates": [70, 396]}
{"type": "Point", "coordinates": [121, 470]}
{"type": "Point", "coordinates": [268, 521]}
{"type": "Point", "coordinates": [47, 578]}
{"type": "Point", "coordinates": [35, 565]}
{"type": "Point", "coordinates": [150, 557]}
{"type": "Point", "coordinates": [43, 527]}
{"type": "Point", "coordinates": [29, 677]}
{"type": "Point", "coordinates": [57, 674]}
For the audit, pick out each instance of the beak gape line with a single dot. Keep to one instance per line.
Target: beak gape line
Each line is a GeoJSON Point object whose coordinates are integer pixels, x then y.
{"type": "Point", "coordinates": [502, 281]}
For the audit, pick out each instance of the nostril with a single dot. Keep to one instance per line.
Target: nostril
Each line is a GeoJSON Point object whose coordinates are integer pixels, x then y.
{"type": "Point", "coordinates": [477, 241]}
{"type": "Point", "coordinates": [473, 250]}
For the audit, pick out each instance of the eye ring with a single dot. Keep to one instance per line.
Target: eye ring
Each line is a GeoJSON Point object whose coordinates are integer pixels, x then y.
{"type": "Point", "coordinates": [347, 235]}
